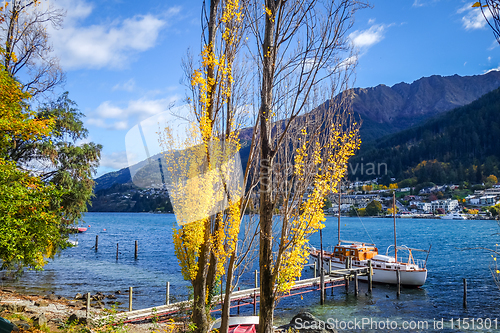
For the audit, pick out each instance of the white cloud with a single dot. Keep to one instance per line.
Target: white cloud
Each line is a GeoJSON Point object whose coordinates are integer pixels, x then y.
{"type": "Point", "coordinates": [110, 116]}
{"type": "Point", "coordinates": [421, 3]}
{"type": "Point", "coordinates": [115, 160]}
{"type": "Point", "coordinates": [473, 17]}
{"type": "Point", "coordinates": [110, 44]}
{"type": "Point", "coordinates": [417, 3]}
{"type": "Point", "coordinates": [125, 86]}
{"type": "Point", "coordinates": [369, 37]}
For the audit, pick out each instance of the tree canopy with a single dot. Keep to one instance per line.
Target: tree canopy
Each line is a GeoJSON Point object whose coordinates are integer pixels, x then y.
{"type": "Point", "coordinates": [30, 211]}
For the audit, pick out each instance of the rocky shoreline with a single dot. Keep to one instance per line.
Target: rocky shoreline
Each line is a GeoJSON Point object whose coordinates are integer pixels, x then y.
{"type": "Point", "coordinates": [32, 312]}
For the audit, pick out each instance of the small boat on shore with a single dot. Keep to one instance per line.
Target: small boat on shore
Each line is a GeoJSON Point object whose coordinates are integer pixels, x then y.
{"type": "Point", "coordinates": [243, 324]}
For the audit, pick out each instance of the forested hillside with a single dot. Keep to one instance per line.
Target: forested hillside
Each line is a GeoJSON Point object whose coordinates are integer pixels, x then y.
{"type": "Point", "coordinates": [460, 145]}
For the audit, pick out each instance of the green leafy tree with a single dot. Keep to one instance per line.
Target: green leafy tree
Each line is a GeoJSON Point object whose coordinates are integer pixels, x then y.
{"type": "Point", "coordinates": [30, 211]}
{"type": "Point", "coordinates": [30, 217]}
{"type": "Point", "coordinates": [65, 163]}
{"type": "Point", "coordinates": [373, 208]}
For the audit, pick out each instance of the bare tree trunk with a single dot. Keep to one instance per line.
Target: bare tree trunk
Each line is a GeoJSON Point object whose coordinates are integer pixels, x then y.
{"type": "Point", "coordinates": [199, 315]}
{"type": "Point", "coordinates": [266, 200]}
{"type": "Point", "coordinates": [225, 306]}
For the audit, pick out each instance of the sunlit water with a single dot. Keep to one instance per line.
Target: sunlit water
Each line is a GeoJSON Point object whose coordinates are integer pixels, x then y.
{"type": "Point", "coordinates": [82, 269]}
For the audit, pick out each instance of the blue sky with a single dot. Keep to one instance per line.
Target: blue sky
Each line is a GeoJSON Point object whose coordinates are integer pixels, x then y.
{"type": "Point", "coordinates": [123, 58]}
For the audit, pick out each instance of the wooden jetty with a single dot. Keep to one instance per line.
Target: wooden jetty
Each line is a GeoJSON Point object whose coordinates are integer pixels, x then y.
{"type": "Point", "coordinates": [250, 296]}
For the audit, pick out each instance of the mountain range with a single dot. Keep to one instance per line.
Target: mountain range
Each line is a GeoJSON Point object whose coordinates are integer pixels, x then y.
{"type": "Point", "coordinates": [385, 111]}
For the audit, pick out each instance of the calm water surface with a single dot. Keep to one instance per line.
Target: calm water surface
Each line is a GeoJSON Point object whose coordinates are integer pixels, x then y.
{"type": "Point", "coordinates": [82, 269]}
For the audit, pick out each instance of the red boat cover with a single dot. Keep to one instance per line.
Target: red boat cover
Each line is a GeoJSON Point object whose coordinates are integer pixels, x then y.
{"type": "Point", "coordinates": [249, 328]}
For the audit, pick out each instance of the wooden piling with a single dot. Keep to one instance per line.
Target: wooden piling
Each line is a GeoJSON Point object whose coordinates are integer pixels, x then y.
{"type": "Point", "coordinates": [87, 314]}
{"type": "Point", "coordinates": [370, 273]}
{"type": "Point", "coordinates": [315, 269]}
{"type": "Point", "coordinates": [398, 282]}
{"type": "Point", "coordinates": [167, 297]}
{"type": "Point", "coordinates": [256, 279]}
{"type": "Point", "coordinates": [116, 251]}
{"type": "Point", "coordinates": [346, 277]}
{"type": "Point", "coordinates": [96, 242]}
{"type": "Point", "coordinates": [465, 292]}
{"type": "Point", "coordinates": [321, 275]}
{"type": "Point", "coordinates": [136, 250]}
{"type": "Point", "coordinates": [238, 303]}
{"type": "Point", "coordinates": [254, 303]}
{"type": "Point", "coordinates": [130, 291]}
{"type": "Point", "coordinates": [355, 283]}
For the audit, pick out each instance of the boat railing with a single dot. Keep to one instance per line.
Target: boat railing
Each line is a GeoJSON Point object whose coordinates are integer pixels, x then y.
{"type": "Point", "coordinates": [420, 263]}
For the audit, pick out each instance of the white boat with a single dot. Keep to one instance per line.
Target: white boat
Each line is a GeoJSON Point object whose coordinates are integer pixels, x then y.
{"type": "Point", "coordinates": [454, 216]}
{"type": "Point", "coordinates": [413, 272]}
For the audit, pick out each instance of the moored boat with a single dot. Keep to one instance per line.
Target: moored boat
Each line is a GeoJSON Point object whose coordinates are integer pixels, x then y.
{"type": "Point", "coordinates": [413, 272]}
{"type": "Point", "coordinates": [454, 216]}
{"type": "Point", "coordinates": [75, 229]}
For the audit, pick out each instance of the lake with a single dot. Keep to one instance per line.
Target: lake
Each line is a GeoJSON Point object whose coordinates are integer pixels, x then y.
{"type": "Point", "coordinates": [82, 269]}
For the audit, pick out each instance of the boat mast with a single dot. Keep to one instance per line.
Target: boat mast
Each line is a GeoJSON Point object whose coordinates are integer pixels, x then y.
{"type": "Point", "coordinates": [394, 216]}
{"type": "Point", "coordinates": [339, 214]}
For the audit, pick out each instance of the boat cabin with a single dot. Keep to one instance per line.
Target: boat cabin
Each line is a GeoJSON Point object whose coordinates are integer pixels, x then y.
{"type": "Point", "coordinates": [357, 251]}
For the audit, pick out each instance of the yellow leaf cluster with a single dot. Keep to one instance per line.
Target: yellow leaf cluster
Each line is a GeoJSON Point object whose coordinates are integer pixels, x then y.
{"type": "Point", "coordinates": [310, 217]}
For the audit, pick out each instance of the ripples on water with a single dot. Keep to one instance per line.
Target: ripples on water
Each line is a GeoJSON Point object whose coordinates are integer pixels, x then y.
{"type": "Point", "coordinates": [82, 269]}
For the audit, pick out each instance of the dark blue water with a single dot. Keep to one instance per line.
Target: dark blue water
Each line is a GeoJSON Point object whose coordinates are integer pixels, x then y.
{"type": "Point", "coordinates": [82, 269]}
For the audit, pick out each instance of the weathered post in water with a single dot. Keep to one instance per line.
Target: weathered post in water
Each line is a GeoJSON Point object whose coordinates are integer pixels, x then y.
{"type": "Point", "coordinates": [116, 251]}
{"type": "Point", "coordinates": [136, 250]}
{"type": "Point", "coordinates": [96, 242]}
{"type": "Point", "coordinates": [346, 277]}
{"type": "Point", "coordinates": [167, 297]}
{"type": "Point", "coordinates": [398, 282]}
{"type": "Point", "coordinates": [370, 273]}
{"type": "Point", "coordinates": [321, 275]}
{"type": "Point", "coordinates": [254, 303]}
{"type": "Point", "coordinates": [465, 293]}
{"type": "Point", "coordinates": [355, 283]}
{"type": "Point", "coordinates": [238, 303]}
{"type": "Point", "coordinates": [130, 298]}
{"type": "Point", "coordinates": [88, 306]}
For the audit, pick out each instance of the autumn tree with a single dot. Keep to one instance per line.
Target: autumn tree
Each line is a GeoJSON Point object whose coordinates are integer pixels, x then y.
{"type": "Point", "coordinates": [373, 208]}
{"type": "Point", "coordinates": [491, 180]}
{"type": "Point", "coordinates": [30, 210]}
{"type": "Point", "coordinates": [27, 57]}
{"type": "Point", "coordinates": [303, 56]}
{"type": "Point", "coordinates": [203, 173]}
{"type": "Point", "coordinates": [27, 52]}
